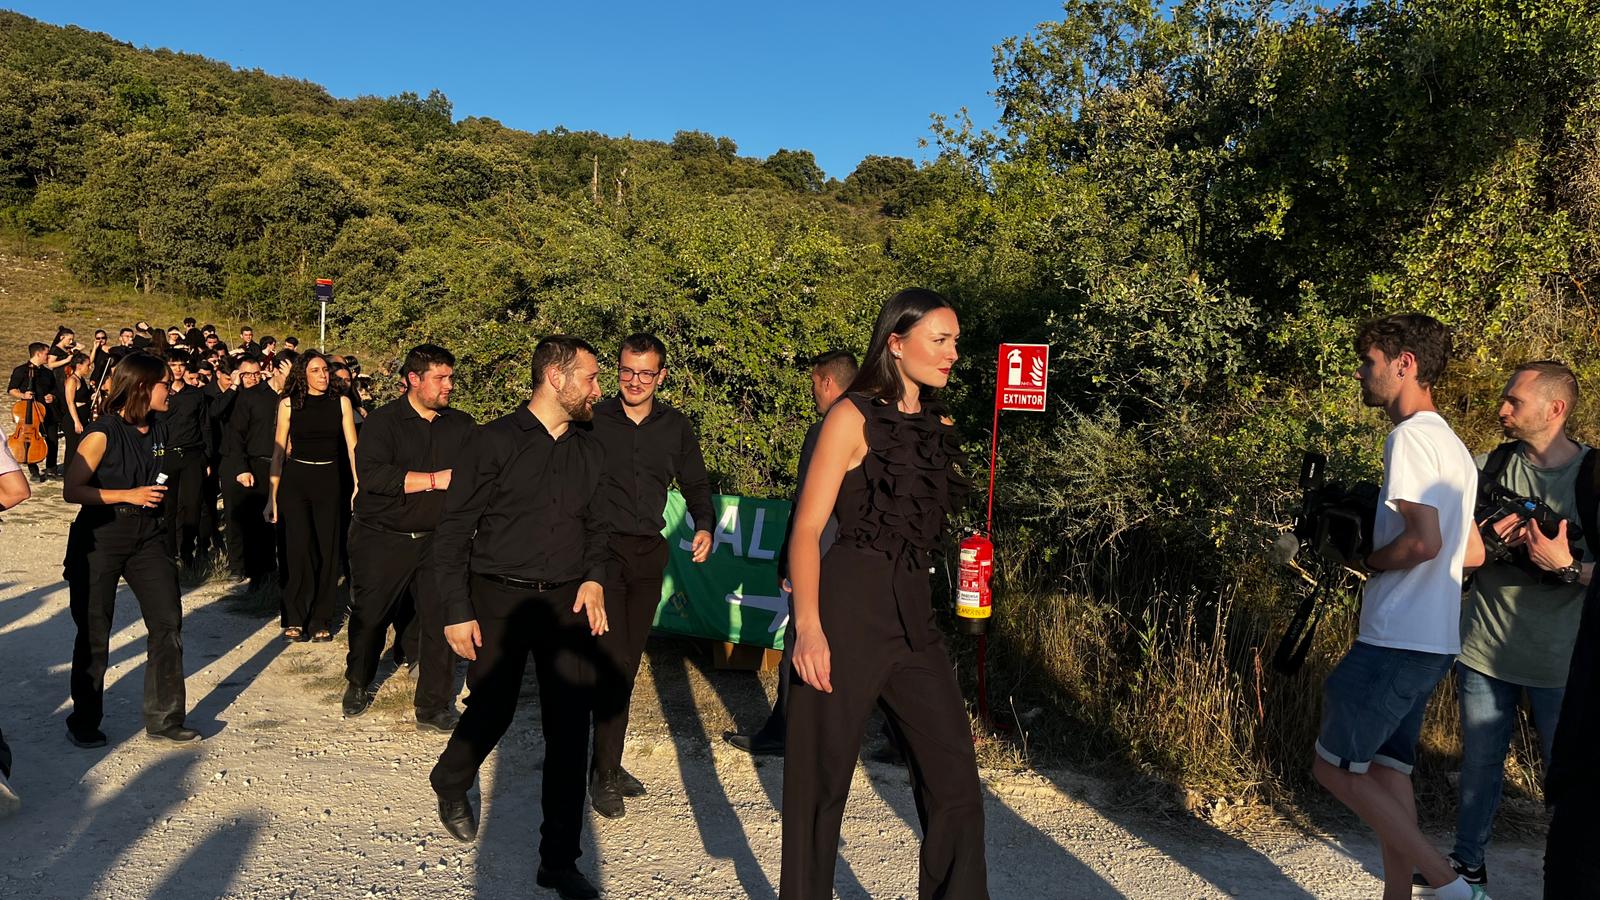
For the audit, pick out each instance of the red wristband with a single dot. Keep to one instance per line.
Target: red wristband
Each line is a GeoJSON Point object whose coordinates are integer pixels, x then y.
{"type": "Point", "coordinates": [431, 485]}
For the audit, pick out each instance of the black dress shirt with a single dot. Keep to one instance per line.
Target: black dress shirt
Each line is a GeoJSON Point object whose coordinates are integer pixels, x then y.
{"type": "Point", "coordinates": [396, 440]}
{"type": "Point", "coordinates": [187, 420]}
{"type": "Point", "coordinates": [643, 461]}
{"type": "Point", "coordinates": [524, 505]}
{"type": "Point", "coordinates": [252, 427]}
{"type": "Point", "coordinates": [219, 410]}
{"type": "Point", "coordinates": [29, 377]}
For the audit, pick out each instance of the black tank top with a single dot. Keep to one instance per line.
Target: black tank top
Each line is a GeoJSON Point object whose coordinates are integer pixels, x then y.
{"type": "Point", "coordinates": [132, 460]}
{"type": "Point", "coordinates": [83, 401]}
{"type": "Point", "coordinates": [316, 429]}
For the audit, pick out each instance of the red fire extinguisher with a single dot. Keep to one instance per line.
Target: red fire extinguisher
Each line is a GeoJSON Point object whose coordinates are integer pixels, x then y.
{"type": "Point", "coordinates": [974, 600]}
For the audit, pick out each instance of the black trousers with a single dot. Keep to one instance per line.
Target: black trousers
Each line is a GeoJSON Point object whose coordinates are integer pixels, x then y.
{"type": "Point", "coordinates": [5, 757]}
{"type": "Point", "coordinates": [102, 547]}
{"type": "Point", "coordinates": [384, 567]}
{"type": "Point", "coordinates": [916, 689]}
{"type": "Point", "coordinates": [515, 623]}
{"type": "Point", "coordinates": [210, 536]}
{"type": "Point", "coordinates": [252, 543]}
{"type": "Point", "coordinates": [308, 506]}
{"type": "Point", "coordinates": [73, 439]}
{"type": "Point", "coordinates": [633, 591]}
{"type": "Point", "coordinates": [181, 510]}
{"type": "Point", "coordinates": [777, 724]}
{"type": "Point", "coordinates": [1570, 867]}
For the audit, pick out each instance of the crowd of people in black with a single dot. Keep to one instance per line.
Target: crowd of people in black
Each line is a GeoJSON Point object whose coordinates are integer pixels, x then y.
{"type": "Point", "coordinates": [537, 534]}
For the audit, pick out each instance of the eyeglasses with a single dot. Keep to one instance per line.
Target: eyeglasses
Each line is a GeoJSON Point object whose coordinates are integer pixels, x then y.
{"type": "Point", "coordinates": [645, 376]}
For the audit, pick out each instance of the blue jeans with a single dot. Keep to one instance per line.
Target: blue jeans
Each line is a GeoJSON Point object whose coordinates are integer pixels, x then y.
{"type": "Point", "coordinates": [1488, 715]}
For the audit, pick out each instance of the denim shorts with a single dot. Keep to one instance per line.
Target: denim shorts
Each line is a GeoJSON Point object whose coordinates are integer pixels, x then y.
{"type": "Point", "coordinates": [1372, 706]}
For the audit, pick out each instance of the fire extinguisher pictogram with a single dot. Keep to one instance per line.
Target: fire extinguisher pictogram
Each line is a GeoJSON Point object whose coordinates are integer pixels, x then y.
{"type": "Point", "coordinates": [974, 599]}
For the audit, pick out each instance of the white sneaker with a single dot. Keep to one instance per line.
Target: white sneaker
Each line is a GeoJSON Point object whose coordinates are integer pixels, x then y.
{"type": "Point", "coordinates": [9, 801]}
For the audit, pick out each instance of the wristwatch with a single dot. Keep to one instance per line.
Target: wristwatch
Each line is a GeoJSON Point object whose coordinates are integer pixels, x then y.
{"type": "Point", "coordinates": [1570, 574]}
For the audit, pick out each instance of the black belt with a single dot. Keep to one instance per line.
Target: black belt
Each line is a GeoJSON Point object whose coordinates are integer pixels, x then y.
{"type": "Point", "coordinates": [410, 534]}
{"type": "Point", "coordinates": [124, 509]}
{"type": "Point", "coordinates": [522, 584]}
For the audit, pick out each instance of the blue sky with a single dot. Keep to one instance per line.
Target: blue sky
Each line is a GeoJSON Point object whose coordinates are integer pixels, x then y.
{"type": "Point", "coordinates": [844, 80]}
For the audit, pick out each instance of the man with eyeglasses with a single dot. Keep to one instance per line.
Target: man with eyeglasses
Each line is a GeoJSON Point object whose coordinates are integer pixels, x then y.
{"type": "Point", "coordinates": [246, 461]}
{"type": "Point", "coordinates": [648, 445]}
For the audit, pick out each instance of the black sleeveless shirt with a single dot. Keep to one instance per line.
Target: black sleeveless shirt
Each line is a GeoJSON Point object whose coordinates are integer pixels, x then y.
{"type": "Point", "coordinates": [316, 429]}
{"type": "Point", "coordinates": [132, 460]}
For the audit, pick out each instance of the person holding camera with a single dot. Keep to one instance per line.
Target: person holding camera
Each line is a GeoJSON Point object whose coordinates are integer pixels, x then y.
{"type": "Point", "coordinates": [1424, 537]}
{"type": "Point", "coordinates": [1520, 616]}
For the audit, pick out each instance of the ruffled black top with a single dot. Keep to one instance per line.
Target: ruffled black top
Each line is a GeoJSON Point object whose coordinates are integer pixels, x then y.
{"type": "Point", "coordinates": [897, 501]}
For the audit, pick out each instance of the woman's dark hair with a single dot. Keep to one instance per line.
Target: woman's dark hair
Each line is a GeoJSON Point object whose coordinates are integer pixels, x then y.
{"type": "Point", "coordinates": [77, 359]}
{"type": "Point", "coordinates": [137, 376]}
{"type": "Point", "coordinates": [158, 342]}
{"type": "Point", "coordinates": [878, 377]}
{"type": "Point", "coordinates": [296, 387]}
{"type": "Point", "coordinates": [61, 332]}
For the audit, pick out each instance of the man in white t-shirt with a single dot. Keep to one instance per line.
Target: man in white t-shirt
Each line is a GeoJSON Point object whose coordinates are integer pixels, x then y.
{"type": "Point", "coordinates": [13, 490]}
{"type": "Point", "coordinates": [1424, 538]}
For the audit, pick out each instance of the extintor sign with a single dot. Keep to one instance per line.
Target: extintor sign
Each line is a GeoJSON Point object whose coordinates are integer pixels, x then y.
{"type": "Point", "coordinates": [1024, 370]}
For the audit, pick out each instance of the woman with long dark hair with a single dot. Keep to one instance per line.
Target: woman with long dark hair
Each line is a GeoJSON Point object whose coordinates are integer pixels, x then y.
{"type": "Point", "coordinates": [311, 493]}
{"type": "Point", "coordinates": [118, 535]}
{"type": "Point", "coordinates": [77, 398]}
{"type": "Point", "coordinates": [884, 467]}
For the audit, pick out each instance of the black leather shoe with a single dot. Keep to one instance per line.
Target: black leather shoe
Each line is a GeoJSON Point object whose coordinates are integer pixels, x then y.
{"type": "Point", "coordinates": [605, 797]}
{"type": "Point", "coordinates": [356, 700]}
{"type": "Point", "coordinates": [178, 734]}
{"type": "Point", "coordinates": [754, 744]}
{"type": "Point", "coordinates": [459, 819]}
{"type": "Point", "coordinates": [569, 883]}
{"type": "Point", "coordinates": [627, 785]}
{"type": "Point", "coordinates": [443, 721]}
{"type": "Point", "coordinates": [88, 741]}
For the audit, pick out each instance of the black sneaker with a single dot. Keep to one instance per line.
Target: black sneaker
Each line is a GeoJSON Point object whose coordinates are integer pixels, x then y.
{"type": "Point", "coordinates": [88, 741]}
{"type": "Point", "coordinates": [569, 883]}
{"type": "Point", "coordinates": [1478, 875]}
{"type": "Point", "coordinates": [444, 721]}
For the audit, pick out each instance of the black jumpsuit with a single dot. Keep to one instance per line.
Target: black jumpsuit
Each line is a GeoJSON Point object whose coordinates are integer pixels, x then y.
{"type": "Point", "coordinates": [118, 541]}
{"type": "Point", "coordinates": [876, 611]}
{"type": "Point", "coordinates": [311, 497]}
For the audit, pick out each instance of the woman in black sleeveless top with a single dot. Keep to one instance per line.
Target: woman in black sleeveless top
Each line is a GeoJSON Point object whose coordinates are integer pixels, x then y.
{"type": "Point", "coordinates": [864, 625]}
{"type": "Point", "coordinates": [118, 534]}
{"type": "Point", "coordinates": [79, 402]}
{"type": "Point", "coordinates": [313, 465]}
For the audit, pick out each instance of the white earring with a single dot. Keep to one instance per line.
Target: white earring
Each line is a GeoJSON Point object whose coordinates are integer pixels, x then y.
{"type": "Point", "coordinates": [896, 354]}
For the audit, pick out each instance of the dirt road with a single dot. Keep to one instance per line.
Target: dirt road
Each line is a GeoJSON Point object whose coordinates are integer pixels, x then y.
{"type": "Point", "coordinates": [286, 799]}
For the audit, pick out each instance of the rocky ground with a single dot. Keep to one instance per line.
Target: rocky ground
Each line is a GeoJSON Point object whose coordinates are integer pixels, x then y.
{"type": "Point", "coordinates": [286, 799]}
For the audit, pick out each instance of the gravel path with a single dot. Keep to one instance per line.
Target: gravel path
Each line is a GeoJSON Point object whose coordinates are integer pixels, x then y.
{"type": "Point", "coordinates": [285, 799]}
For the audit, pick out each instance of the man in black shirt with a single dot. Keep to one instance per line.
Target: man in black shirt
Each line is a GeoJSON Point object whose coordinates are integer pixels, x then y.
{"type": "Point", "coordinates": [648, 445]}
{"type": "Point", "coordinates": [141, 336]}
{"type": "Point", "coordinates": [193, 338]}
{"type": "Point", "coordinates": [521, 558]}
{"type": "Point", "coordinates": [247, 341]}
{"type": "Point", "coordinates": [33, 380]}
{"type": "Point", "coordinates": [831, 374]}
{"type": "Point", "coordinates": [188, 425]}
{"type": "Point", "coordinates": [246, 464]}
{"type": "Point", "coordinates": [408, 449]}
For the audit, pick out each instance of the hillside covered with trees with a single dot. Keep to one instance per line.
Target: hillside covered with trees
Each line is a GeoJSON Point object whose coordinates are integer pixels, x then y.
{"type": "Point", "coordinates": [1193, 203]}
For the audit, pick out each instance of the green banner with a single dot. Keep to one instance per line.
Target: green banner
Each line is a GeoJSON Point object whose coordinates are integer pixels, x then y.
{"type": "Point", "coordinates": [734, 595]}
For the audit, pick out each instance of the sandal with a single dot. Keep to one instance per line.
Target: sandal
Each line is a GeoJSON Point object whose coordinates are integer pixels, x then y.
{"type": "Point", "coordinates": [291, 634]}
{"type": "Point", "coordinates": [322, 637]}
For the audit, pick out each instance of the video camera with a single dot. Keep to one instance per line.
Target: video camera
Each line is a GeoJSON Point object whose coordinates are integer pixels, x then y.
{"type": "Point", "coordinates": [1495, 503]}
{"type": "Point", "coordinates": [1335, 520]}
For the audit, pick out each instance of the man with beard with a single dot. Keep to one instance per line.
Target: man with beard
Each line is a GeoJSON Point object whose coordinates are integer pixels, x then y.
{"type": "Point", "coordinates": [404, 460]}
{"type": "Point", "coordinates": [648, 445]}
{"type": "Point", "coordinates": [246, 465]}
{"type": "Point", "coordinates": [1424, 537]}
{"type": "Point", "coordinates": [521, 555]}
{"type": "Point", "coordinates": [1520, 617]}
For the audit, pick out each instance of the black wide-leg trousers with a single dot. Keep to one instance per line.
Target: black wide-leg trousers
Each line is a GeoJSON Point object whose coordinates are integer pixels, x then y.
{"type": "Point", "coordinates": [252, 542]}
{"type": "Point", "coordinates": [181, 510]}
{"type": "Point", "coordinates": [872, 664]}
{"type": "Point", "coordinates": [515, 623]}
{"type": "Point", "coordinates": [633, 591]}
{"type": "Point", "coordinates": [101, 549]}
{"type": "Point", "coordinates": [384, 566]}
{"type": "Point", "coordinates": [309, 497]}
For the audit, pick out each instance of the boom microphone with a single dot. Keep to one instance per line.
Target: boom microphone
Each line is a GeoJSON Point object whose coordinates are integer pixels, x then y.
{"type": "Point", "coordinates": [1284, 549]}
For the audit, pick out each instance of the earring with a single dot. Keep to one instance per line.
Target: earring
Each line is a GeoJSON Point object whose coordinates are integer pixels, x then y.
{"type": "Point", "coordinates": [896, 354]}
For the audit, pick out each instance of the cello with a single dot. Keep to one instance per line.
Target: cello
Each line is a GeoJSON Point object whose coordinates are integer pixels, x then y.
{"type": "Point", "coordinates": [27, 446]}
